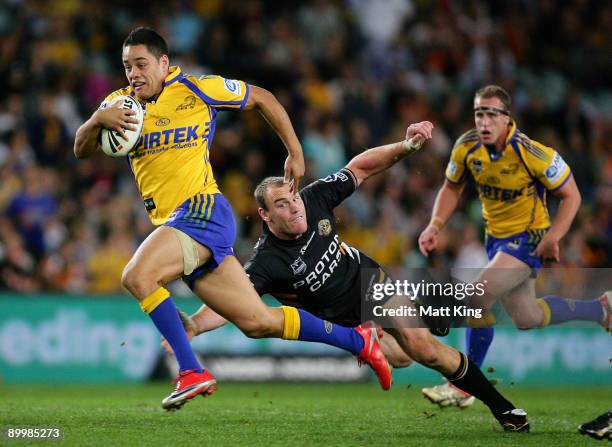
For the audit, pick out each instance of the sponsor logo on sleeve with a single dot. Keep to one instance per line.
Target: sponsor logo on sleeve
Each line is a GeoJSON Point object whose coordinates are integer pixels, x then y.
{"type": "Point", "coordinates": [555, 169]}
{"type": "Point", "coordinates": [337, 176]}
{"type": "Point", "coordinates": [232, 86]}
{"type": "Point", "coordinates": [451, 169]}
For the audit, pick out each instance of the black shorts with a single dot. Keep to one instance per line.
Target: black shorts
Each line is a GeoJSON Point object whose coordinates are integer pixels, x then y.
{"type": "Point", "coordinates": [349, 309]}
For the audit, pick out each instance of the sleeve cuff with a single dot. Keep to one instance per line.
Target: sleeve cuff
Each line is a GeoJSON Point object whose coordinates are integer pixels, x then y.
{"type": "Point", "coordinates": [246, 96]}
{"type": "Point", "coordinates": [562, 183]}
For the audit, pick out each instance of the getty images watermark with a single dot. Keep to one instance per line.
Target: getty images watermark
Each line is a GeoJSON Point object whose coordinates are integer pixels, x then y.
{"type": "Point", "coordinates": [445, 291]}
{"type": "Point", "coordinates": [439, 298]}
{"type": "Point", "coordinates": [432, 298]}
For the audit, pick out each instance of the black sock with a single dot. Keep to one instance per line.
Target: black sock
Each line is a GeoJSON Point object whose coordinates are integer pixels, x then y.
{"type": "Point", "coordinates": [471, 380]}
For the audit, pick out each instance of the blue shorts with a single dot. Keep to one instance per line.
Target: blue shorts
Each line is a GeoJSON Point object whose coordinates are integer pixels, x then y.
{"type": "Point", "coordinates": [519, 245]}
{"type": "Point", "coordinates": [207, 219]}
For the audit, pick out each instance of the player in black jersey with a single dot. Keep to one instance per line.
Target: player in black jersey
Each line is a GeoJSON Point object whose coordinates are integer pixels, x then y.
{"type": "Point", "coordinates": [300, 260]}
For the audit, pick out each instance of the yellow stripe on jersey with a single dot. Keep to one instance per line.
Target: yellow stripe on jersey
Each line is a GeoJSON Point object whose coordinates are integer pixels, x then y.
{"type": "Point", "coordinates": [511, 184]}
{"type": "Point", "coordinates": [171, 161]}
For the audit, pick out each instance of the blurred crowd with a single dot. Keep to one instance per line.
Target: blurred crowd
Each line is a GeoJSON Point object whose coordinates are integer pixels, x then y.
{"type": "Point", "coordinates": [352, 74]}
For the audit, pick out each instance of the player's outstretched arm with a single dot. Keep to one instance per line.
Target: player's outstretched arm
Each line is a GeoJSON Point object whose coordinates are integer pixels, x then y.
{"type": "Point", "coordinates": [548, 248]}
{"type": "Point", "coordinates": [377, 159]}
{"type": "Point", "coordinates": [445, 205]}
{"type": "Point", "coordinates": [115, 118]}
{"type": "Point", "coordinates": [205, 319]}
{"type": "Point", "coordinates": [276, 116]}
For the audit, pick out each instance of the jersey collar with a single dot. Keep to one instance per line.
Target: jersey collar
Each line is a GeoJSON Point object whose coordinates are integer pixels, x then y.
{"type": "Point", "coordinates": [174, 74]}
{"type": "Point", "coordinates": [511, 132]}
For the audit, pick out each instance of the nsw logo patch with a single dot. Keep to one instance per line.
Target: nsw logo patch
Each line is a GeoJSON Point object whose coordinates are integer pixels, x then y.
{"type": "Point", "coordinates": [298, 266]}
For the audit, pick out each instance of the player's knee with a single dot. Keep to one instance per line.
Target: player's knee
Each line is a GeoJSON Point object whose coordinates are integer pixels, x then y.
{"type": "Point", "coordinates": [524, 327]}
{"type": "Point", "coordinates": [129, 278]}
{"type": "Point", "coordinates": [134, 280]}
{"type": "Point", "coordinates": [526, 323]}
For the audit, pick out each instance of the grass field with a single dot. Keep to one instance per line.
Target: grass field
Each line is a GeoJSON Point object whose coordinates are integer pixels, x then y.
{"type": "Point", "coordinates": [291, 414]}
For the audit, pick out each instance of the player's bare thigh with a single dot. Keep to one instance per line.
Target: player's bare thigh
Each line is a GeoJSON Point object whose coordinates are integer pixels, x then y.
{"type": "Point", "coordinates": [520, 303]}
{"type": "Point", "coordinates": [158, 261]}
{"type": "Point", "coordinates": [502, 274]}
{"type": "Point", "coordinates": [229, 292]}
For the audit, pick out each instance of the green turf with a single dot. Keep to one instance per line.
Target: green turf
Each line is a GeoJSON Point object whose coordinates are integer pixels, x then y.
{"type": "Point", "coordinates": [289, 415]}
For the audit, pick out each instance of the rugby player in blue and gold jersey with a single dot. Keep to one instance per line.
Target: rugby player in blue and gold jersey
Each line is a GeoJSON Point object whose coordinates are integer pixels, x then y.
{"type": "Point", "coordinates": [512, 173]}
{"type": "Point", "coordinates": [196, 228]}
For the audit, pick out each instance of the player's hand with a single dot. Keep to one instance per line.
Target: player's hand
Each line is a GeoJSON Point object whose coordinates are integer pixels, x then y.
{"type": "Point", "coordinates": [428, 240]}
{"type": "Point", "coordinates": [548, 248]}
{"type": "Point", "coordinates": [423, 129]}
{"type": "Point", "coordinates": [191, 329]}
{"type": "Point", "coordinates": [294, 171]}
{"type": "Point", "coordinates": [117, 118]}
{"type": "Point", "coordinates": [419, 132]}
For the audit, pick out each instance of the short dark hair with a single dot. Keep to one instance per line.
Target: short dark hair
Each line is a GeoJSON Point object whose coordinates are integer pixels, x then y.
{"type": "Point", "coordinates": [148, 37]}
{"type": "Point", "coordinates": [263, 186]}
{"type": "Point", "coordinates": [495, 91]}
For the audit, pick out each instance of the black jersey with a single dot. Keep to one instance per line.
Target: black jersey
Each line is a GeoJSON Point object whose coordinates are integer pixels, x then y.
{"type": "Point", "coordinates": [318, 269]}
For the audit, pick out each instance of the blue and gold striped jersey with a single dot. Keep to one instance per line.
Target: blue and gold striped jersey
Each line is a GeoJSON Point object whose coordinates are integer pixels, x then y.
{"type": "Point", "coordinates": [171, 161]}
{"type": "Point", "coordinates": [511, 184]}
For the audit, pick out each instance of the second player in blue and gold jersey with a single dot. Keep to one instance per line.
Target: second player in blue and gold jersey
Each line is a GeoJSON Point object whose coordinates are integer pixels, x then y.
{"type": "Point", "coordinates": [512, 183]}
{"type": "Point", "coordinates": [196, 229]}
{"type": "Point", "coordinates": [513, 174]}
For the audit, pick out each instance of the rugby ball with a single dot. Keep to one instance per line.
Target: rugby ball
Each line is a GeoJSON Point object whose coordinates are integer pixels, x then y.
{"type": "Point", "coordinates": [112, 143]}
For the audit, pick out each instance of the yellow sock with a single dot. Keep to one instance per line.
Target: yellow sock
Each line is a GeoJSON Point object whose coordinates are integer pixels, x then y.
{"type": "Point", "coordinates": [291, 325]}
{"type": "Point", "coordinates": [546, 309]}
{"type": "Point", "coordinates": [487, 320]}
{"type": "Point", "coordinates": [149, 304]}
